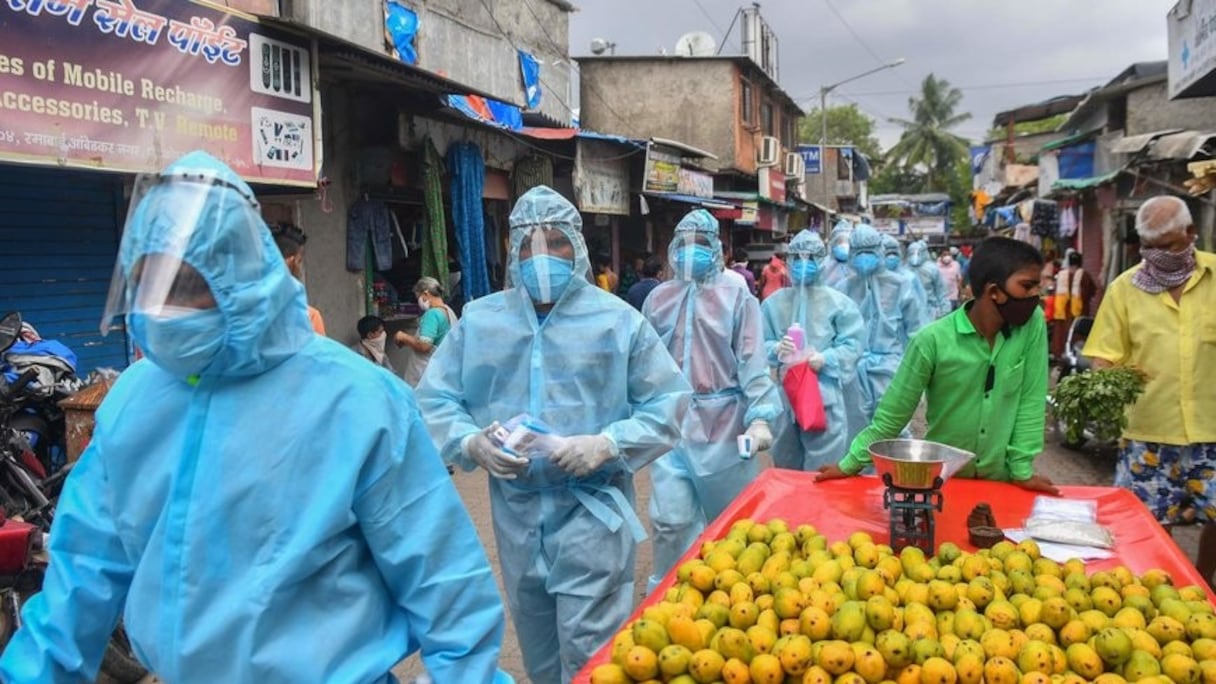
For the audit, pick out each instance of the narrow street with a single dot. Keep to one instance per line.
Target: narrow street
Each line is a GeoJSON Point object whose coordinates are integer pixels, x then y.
{"type": "Point", "coordinates": [1061, 465]}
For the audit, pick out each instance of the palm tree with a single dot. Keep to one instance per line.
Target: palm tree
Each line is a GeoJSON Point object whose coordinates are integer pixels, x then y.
{"type": "Point", "coordinates": [927, 141]}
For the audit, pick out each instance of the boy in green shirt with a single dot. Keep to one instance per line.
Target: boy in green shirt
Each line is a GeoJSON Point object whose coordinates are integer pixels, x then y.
{"type": "Point", "coordinates": [983, 372]}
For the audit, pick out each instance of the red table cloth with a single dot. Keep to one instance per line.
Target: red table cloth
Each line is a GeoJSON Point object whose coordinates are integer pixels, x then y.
{"type": "Point", "coordinates": [838, 508]}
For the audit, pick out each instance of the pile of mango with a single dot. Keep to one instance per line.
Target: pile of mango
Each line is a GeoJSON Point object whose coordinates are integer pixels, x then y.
{"type": "Point", "coordinates": [771, 605]}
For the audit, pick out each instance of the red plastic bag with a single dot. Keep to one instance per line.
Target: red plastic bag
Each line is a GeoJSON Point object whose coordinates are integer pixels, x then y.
{"type": "Point", "coordinates": [802, 387]}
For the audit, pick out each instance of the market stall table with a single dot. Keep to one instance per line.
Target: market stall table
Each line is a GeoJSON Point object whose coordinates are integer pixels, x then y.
{"type": "Point", "coordinates": [838, 508]}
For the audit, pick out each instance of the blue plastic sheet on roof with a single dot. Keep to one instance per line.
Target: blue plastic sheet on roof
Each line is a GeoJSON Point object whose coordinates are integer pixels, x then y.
{"type": "Point", "coordinates": [529, 69]}
{"type": "Point", "coordinates": [401, 23]}
{"type": "Point", "coordinates": [496, 113]}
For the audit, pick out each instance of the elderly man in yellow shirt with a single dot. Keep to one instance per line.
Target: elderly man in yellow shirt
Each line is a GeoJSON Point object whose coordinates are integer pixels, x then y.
{"type": "Point", "coordinates": [1159, 317]}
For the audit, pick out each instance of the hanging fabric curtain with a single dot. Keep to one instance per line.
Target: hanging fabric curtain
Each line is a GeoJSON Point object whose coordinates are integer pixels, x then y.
{"type": "Point", "coordinates": [468, 171]}
{"type": "Point", "coordinates": [531, 171]}
{"type": "Point", "coordinates": [435, 240]}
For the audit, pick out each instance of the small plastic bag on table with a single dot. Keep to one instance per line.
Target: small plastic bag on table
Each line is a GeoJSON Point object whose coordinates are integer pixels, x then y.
{"type": "Point", "coordinates": [1056, 508]}
{"type": "Point", "coordinates": [1070, 532]}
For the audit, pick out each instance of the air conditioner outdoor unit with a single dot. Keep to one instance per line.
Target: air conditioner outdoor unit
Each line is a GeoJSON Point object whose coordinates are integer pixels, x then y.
{"type": "Point", "coordinates": [770, 150]}
{"type": "Point", "coordinates": [795, 167]}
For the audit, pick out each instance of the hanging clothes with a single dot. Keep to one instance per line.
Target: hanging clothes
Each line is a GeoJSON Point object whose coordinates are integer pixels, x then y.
{"type": "Point", "coordinates": [435, 239]}
{"type": "Point", "coordinates": [369, 218]}
{"type": "Point", "coordinates": [531, 171]}
{"type": "Point", "coordinates": [468, 179]}
{"type": "Point", "coordinates": [1068, 220]}
{"type": "Point", "coordinates": [1045, 219]}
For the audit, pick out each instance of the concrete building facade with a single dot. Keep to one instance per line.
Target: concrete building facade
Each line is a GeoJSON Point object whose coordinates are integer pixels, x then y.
{"type": "Point", "coordinates": [723, 104]}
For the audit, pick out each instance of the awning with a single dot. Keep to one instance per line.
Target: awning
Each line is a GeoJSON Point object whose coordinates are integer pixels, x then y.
{"type": "Point", "coordinates": [1070, 140]}
{"type": "Point", "coordinates": [571, 133]}
{"type": "Point", "coordinates": [685, 149]}
{"type": "Point", "coordinates": [720, 209]}
{"type": "Point", "coordinates": [1085, 183]}
{"type": "Point", "coordinates": [1180, 146]}
{"type": "Point", "coordinates": [1132, 144]}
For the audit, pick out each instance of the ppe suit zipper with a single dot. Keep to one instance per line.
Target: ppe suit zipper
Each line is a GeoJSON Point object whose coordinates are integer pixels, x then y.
{"type": "Point", "coordinates": [177, 520]}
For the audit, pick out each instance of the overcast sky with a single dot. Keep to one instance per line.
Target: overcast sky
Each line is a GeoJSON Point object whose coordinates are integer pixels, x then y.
{"type": "Point", "coordinates": [1002, 54]}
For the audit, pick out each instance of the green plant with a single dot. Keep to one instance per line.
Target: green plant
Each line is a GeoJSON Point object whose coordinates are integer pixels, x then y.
{"type": "Point", "coordinates": [1097, 399]}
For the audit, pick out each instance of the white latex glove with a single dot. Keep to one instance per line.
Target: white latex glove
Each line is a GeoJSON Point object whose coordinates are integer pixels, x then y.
{"type": "Point", "coordinates": [786, 349]}
{"type": "Point", "coordinates": [762, 437]}
{"type": "Point", "coordinates": [582, 455]}
{"type": "Point", "coordinates": [487, 453]}
{"type": "Point", "coordinates": [815, 359]}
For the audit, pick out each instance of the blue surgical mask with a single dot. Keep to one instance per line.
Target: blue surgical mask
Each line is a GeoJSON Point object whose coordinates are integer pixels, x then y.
{"type": "Point", "coordinates": [558, 274]}
{"type": "Point", "coordinates": [695, 261]}
{"type": "Point", "coordinates": [184, 344]}
{"type": "Point", "coordinates": [840, 253]}
{"type": "Point", "coordinates": [892, 262]}
{"type": "Point", "coordinates": [804, 271]}
{"type": "Point", "coordinates": [866, 263]}
{"type": "Point", "coordinates": [916, 259]}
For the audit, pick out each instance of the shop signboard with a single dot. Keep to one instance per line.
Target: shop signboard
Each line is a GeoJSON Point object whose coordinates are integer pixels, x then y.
{"type": "Point", "coordinates": [696, 183]}
{"type": "Point", "coordinates": [130, 85]}
{"type": "Point", "coordinates": [1191, 30]}
{"type": "Point", "coordinates": [772, 183]}
{"type": "Point", "coordinates": [887, 226]}
{"type": "Point", "coordinates": [601, 178]}
{"type": "Point", "coordinates": [925, 225]}
{"type": "Point", "coordinates": [662, 171]}
{"type": "Point", "coordinates": [750, 213]}
{"type": "Point", "coordinates": [812, 156]}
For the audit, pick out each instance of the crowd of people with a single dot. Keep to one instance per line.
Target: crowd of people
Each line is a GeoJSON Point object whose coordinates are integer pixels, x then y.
{"type": "Point", "coordinates": [252, 482]}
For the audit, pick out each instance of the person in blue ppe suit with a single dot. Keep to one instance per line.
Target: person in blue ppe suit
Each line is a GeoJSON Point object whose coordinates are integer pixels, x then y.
{"type": "Point", "coordinates": [711, 325]}
{"type": "Point", "coordinates": [586, 366]}
{"type": "Point", "coordinates": [227, 553]}
{"type": "Point", "coordinates": [930, 277]}
{"type": "Point", "coordinates": [833, 330]}
{"type": "Point", "coordinates": [893, 261]}
{"type": "Point", "coordinates": [891, 313]}
{"type": "Point", "coordinates": [836, 267]}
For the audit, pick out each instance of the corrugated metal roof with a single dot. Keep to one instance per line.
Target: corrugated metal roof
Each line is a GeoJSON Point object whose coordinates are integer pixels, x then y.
{"type": "Point", "coordinates": [1183, 145]}
{"type": "Point", "coordinates": [1132, 144]}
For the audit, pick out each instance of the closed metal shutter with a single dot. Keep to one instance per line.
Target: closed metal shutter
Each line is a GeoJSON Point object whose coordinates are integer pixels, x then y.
{"type": "Point", "coordinates": [59, 235]}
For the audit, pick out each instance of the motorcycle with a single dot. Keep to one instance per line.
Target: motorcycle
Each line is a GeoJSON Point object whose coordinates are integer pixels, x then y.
{"type": "Point", "coordinates": [27, 508]}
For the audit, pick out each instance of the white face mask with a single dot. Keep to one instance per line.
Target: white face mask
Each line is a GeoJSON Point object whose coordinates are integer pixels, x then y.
{"type": "Point", "coordinates": [424, 303]}
{"type": "Point", "coordinates": [376, 345]}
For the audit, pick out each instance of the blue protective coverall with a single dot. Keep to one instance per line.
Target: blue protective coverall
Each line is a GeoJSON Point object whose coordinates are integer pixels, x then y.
{"type": "Point", "coordinates": [835, 270]}
{"type": "Point", "coordinates": [893, 260]}
{"type": "Point", "coordinates": [930, 277]}
{"type": "Point", "coordinates": [282, 517]}
{"type": "Point", "coordinates": [832, 325]}
{"type": "Point", "coordinates": [592, 366]}
{"type": "Point", "coordinates": [712, 328]}
{"type": "Point", "coordinates": [891, 314]}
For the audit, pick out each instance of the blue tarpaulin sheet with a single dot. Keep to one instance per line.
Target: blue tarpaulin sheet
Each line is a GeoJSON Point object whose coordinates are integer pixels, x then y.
{"type": "Point", "coordinates": [1077, 161]}
{"type": "Point", "coordinates": [529, 69]}
{"type": "Point", "coordinates": [492, 112]}
{"type": "Point", "coordinates": [401, 23]}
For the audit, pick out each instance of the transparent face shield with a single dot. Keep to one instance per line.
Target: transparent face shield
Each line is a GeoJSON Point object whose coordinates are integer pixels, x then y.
{"type": "Point", "coordinates": [175, 225]}
{"type": "Point", "coordinates": [692, 256]}
{"type": "Point", "coordinates": [546, 263]}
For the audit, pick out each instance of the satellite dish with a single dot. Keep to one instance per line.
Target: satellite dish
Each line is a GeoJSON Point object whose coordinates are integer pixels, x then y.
{"type": "Point", "coordinates": [599, 46]}
{"type": "Point", "coordinates": [696, 44]}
